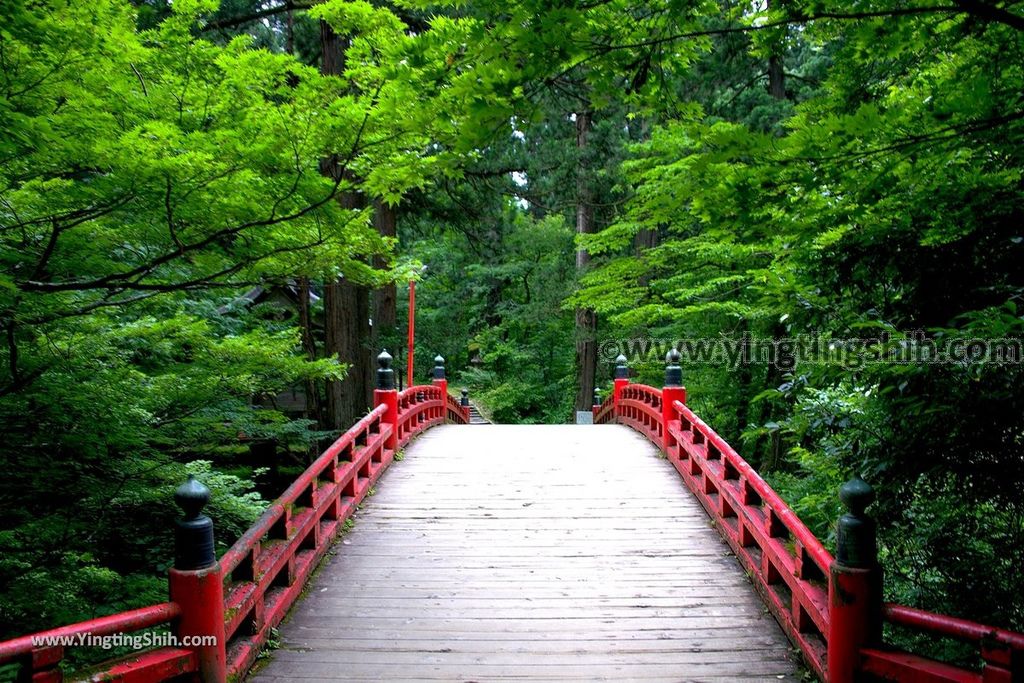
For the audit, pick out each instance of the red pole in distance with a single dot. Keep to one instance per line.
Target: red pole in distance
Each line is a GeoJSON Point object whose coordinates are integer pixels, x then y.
{"type": "Point", "coordinates": [412, 327]}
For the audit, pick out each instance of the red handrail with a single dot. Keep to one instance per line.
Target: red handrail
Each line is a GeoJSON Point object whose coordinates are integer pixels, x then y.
{"type": "Point", "coordinates": [639, 406]}
{"type": "Point", "coordinates": [268, 566]}
{"type": "Point", "coordinates": [787, 563]}
{"type": "Point", "coordinates": [41, 653]}
{"type": "Point", "coordinates": [605, 413]}
{"type": "Point", "coordinates": [420, 407]}
{"type": "Point", "coordinates": [1001, 651]}
{"type": "Point", "coordinates": [951, 627]}
{"type": "Point", "coordinates": [789, 566]}
{"type": "Point", "coordinates": [455, 411]}
{"type": "Point", "coordinates": [122, 622]}
{"type": "Point", "coordinates": [265, 570]}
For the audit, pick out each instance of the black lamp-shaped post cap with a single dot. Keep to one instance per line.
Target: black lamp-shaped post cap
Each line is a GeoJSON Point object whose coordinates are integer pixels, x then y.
{"type": "Point", "coordinates": [673, 373]}
{"type": "Point", "coordinates": [621, 371]}
{"type": "Point", "coordinates": [597, 396]}
{"type": "Point", "coordinates": [465, 397]}
{"type": "Point", "coordinates": [856, 495]}
{"type": "Point", "coordinates": [385, 375]}
{"type": "Point", "coordinates": [438, 367]}
{"type": "Point", "coordinates": [192, 497]}
{"type": "Point", "coordinates": [193, 535]}
{"type": "Point", "coordinates": [856, 544]}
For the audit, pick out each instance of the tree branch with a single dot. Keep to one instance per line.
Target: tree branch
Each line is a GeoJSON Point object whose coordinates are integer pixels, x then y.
{"type": "Point", "coordinates": [983, 10]}
{"type": "Point", "coordinates": [231, 22]}
{"type": "Point", "coordinates": [937, 135]}
{"type": "Point", "coordinates": [789, 21]}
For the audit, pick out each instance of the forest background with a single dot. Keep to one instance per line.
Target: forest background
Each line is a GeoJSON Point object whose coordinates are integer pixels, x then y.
{"type": "Point", "coordinates": [207, 208]}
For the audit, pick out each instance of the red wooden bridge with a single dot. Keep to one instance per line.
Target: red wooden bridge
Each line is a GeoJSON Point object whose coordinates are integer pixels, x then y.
{"type": "Point", "coordinates": [526, 552]}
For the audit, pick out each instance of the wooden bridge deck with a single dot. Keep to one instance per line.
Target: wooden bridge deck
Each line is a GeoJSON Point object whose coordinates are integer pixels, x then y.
{"type": "Point", "coordinates": [530, 553]}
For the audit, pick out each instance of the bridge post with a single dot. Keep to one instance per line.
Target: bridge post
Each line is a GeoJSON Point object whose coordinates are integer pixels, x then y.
{"type": "Point", "coordinates": [621, 381]}
{"type": "Point", "coordinates": [854, 586]}
{"type": "Point", "coordinates": [464, 402]}
{"type": "Point", "coordinates": [439, 376]}
{"type": "Point", "coordinates": [196, 585]}
{"type": "Point", "coordinates": [597, 402]}
{"type": "Point", "coordinates": [672, 391]}
{"type": "Point", "coordinates": [386, 394]}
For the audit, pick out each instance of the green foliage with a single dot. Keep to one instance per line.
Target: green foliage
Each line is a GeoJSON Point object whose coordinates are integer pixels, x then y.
{"type": "Point", "coordinates": [125, 564]}
{"type": "Point", "coordinates": [753, 172]}
{"type": "Point", "coordinates": [150, 177]}
{"type": "Point", "coordinates": [507, 314]}
{"type": "Point", "coordinates": [841, 422]}
{"type": "Point", "coordinates": [883, 201]}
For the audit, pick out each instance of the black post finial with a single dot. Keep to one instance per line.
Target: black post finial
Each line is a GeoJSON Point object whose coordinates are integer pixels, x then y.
{"type": "Point", "coordinates": [673, 373]}
{"type": "Point", "coordinates": [193, 535]}
{"type": "Point", "coordinates": [597, 396]}
{"type": "Point", "coordinates": [385, 375]}
{"type": "Point", "coordinates": [465, 397]}
{"type": "Point", "coordinates": [621, 371]}
{"type": "Point", "coordinates": [856, 544]}
{"type": "Point", "coordinates": [438, 367]}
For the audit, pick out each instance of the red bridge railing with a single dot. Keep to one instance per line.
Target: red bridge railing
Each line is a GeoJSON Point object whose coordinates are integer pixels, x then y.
{"type": "Point", "coordinates": [221, 612]}
{"type": "Point", "coordinates": [40, 660]}
{"type": "Point", "coordinates": [420, 407]}
{"type": "Point", "coordinates": [830, 607]}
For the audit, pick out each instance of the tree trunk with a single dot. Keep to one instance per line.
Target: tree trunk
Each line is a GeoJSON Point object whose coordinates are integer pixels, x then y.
{"type": "Point", "coordinates": [776, 77]}
{"type": "Point", "coordinates": [346, 319]}
{"type": "Point", "coordinates": [346, 304]}
{"type": "Point", "coordinates": [332, 51]}
{"type": "Point", "coordinates": [644, 240]}
{"type": "Point", "coordinates": [313, 411]}
{"type": "Point", "coordinates": [385, 308]}
{"type": "Point", "coordinates": [744, 382]}
{"type": "Point", "coordinates": [776, 70]}
{"type": "Point", "coordinates": [586, 318]}
{"type": "Point", "coordinates": [289, 36]}
{"type": "Point", "coordinates": [493, 250]}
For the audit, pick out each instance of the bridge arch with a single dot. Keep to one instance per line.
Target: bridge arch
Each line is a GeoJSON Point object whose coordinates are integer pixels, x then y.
{"type": "Point", "coordinates": [829, 606]}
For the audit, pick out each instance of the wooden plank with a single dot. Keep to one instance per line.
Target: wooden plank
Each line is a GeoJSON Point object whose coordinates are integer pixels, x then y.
{"type": "Point", "coordinates": [530, 613]}
{"type": "Point", "coordinates": [463, 603]}
{"type": "Point", "coordinates": [543, 627]}
{"type": "Point", "coordinates": [541, 553]}
{"type": "Point", "coordinates": [710, 641]}
{"type": "Point", "coordinates": [680, 657]}
{"type": "Point", "coordinates": [575, 669]}
{"type": "Point", "coordinates": [647, 677]}
{"type": "Point", "coordinates": [683, 635]}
